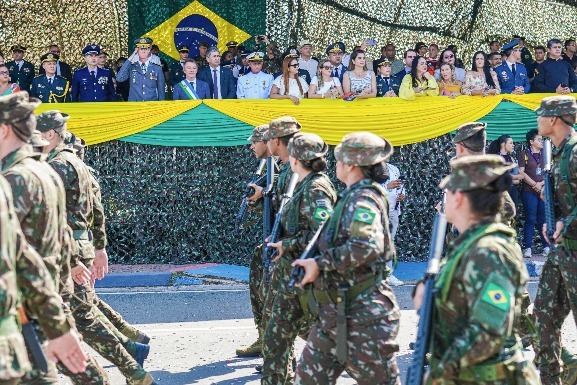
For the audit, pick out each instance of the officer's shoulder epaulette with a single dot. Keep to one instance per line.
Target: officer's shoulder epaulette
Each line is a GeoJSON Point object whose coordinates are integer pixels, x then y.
{"type": "Point", "coordinates": [39, 76]}
{"type": "Point", "coordinates": [61, 77]}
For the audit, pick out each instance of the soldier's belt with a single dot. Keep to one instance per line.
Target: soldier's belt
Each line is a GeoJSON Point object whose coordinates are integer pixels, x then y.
{"type": "Point", "coordinates": [484, 373]}
{"type": "Point", "coordinates": [82, 235]}
{"type": "Point", "coordinates": [324, 297]}
{"type": "Point", "coordinates": [8, 325]}
{"type": "Point", "coordinates": [570, 244]}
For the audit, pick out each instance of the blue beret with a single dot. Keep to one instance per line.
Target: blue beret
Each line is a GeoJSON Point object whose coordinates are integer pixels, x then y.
{"type": "Point", "coordinates": [511, 45]}
{"type": "Point", "coordinates": [92, 49]}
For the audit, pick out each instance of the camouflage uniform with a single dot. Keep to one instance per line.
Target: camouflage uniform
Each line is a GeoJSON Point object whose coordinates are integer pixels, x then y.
{"type": "Point", "coordinates": [557, 293]}
{"type": "Point", "coordinates": [480, 284]}
{"type": "Point", "coordinates": [358, 318]}
{"type": "Point", "coordinates": [97, 331]}
{"type": "Point", "coordinates": [310, 206]}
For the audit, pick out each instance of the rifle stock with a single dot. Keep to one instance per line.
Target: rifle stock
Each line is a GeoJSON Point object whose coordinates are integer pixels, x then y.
{"type": "Point", "coordinates": [241, 215]}
{"type": "Point", "coordinates": [548, 193]}
{"type": "Point", "coordinates": [32, 342]}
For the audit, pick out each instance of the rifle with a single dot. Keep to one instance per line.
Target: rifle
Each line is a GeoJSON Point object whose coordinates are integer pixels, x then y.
{"type": "Point", "coordinates": [241, 215]}
{"type": "Point", "coordinates": [32, 342]}
{"type": "Point", "coordinates": [267, 213]}
{"type": "Point", "coordinates": [548, 193]}
{"type": "Point", "coordinates": [309, 252]}
{"type": "Point", "coordinates": [417, 368]}
{"type": "Point", "coordinates": [269, 254]}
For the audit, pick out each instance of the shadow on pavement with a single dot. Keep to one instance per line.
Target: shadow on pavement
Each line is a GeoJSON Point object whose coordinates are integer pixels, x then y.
{"type": "Point", "coordinates": [228, 369]}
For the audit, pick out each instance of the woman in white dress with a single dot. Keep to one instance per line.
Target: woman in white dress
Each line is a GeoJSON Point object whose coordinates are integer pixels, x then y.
{"type": "Point", "coordinates": [289, 80]}
{"type": "Point", "coordinates": [324, 85]}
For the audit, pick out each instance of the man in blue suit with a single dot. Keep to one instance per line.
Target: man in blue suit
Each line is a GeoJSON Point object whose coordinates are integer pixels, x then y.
{"type": "Point", "coordinates": [191, 88]}
{"type": "Point", "coordinates": [512, 75]}
{"type": "Point", "coordinates": [92, 84]}
{"type": "Point", "coordinates": [49, 87]}
{"type": "Point", "coordinates": [220, 80]}
{"type": "Point", "coordinates": [21, 71]}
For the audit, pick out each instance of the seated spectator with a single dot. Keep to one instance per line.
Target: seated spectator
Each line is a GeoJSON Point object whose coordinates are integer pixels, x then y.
{"type": "Point", "coordinates": [408, 59]}
{"type": "Point", "coordinates": [358, 79]}
{"type": "Point", "coordinates": [256, 84]}
{"type": "Point", "coordinates": [512, 74]}
{"type": "Point", "coordinates": [448, 56]}
{"type": "Point", "coordinates": [419, 82]}
{"type": "Point", "coordinates": [555, 75]}
{"type": "Point", "coordinates": [324, 85]}
{"type": "Point", "coordinates": [458, 62]}
{"type": "Point", "coordinates": [191, 88]}
{"type": "Point", "coordinates": [433, 58]}
{"type": "Point", "coordinates": [531, 167]}
{"type": "Point", "coordinates": [387, 84]}
{"type": "Point", "coordinates": [449, 85]}
{"type": "Point", "coordinates": [289, 80]}
{"type": "Point", "coordinates": [6, 86]}
{"type": "Point", "coordinates": [570, 55]}
{"type": "Point", "coordinates": [481, 80]}
{"type": "Point", "coordinates": [495, 59]}
{"type": "Point", "coordinates": [504, 147]}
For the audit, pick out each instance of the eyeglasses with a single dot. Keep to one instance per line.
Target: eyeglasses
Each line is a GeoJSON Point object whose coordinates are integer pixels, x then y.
{"type": "Point", "coordinates": [449, 56]}
{"type": "Point", "coordinates": [4, 72]}
{"type": "Point", "coordinates": [328, 68]}
{"type": "Point", "coordinates": [294, 65]}
{"type": "Point", "coordinates": [55, 52]}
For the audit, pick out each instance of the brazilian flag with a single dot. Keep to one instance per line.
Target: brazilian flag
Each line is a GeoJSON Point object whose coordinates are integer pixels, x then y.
{"type": "Point", "coordinates": [185, 22]}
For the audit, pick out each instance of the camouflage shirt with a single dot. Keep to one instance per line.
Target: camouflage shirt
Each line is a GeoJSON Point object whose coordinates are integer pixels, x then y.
{"type": "Point", "coordinates": [564, 206]}
{"type": "Point", "coordinates": [479, 301]}
{"type": "Point", "coordinates": [282, 182]}
{"type": "Point", "coordinates": [98, 218]}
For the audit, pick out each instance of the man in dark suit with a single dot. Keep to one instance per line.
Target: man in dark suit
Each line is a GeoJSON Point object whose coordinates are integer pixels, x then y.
{"type": "Point", "coordinates": [191, 88]}
{"type": "Point", "coordinates": [21, 71]}
{"type": "Point", "coordinates": [50, 88]}
{"type": "Point", "coordinates": [62, 69]}
{"type": "Point", "coordinates": [214, 73]}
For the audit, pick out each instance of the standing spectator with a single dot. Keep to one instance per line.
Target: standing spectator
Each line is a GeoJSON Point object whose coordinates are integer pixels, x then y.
{"type": "Point", "coordinates": [433, 58]}
{"type": "Point", "coordinates": [6, 86]}
{"type": "Point", "coordinates": [21, 71]}
{"type": "Point", "coordinates": [200, 59]}
{"type": "Point", "coordinates": [539, 58]}
{"type": "Point", "coordinates": [408, 59]}
{"type": "Point", "coordinates": [244, 68]}
{"type": "Point", "coordinates": [62, 69]}
{"type": "Point", "coordinates": [387, 84]}
{"type": "Point", "coordinates": [156, 52]}
{"type": "Point", "coordinates": [324, 85]}
{"type": "Point", "coordinates": [92, 84]}
{"type": "Point", "coordinates": [50, 88]}
{"type": "Point", "coordinates": [504, 147]}
{"type": "Point", "coordinates": [512, 74]}
{"type": "Point", "coordinates": [494, 46]}
{"type": "Point", "coordinates": [526, 57]}
{"type": "Point", "coordinates": [419, 82]}
{"type": "Point", "coordinates": [191, 88]}
{"type": "Point", "coordinates": [358, 79]}
{"type": "Point", "coordinates": [495, 59]}
{"type": "Point", "coordinates": [306, 61]}
{"type": "Point", "coordinates": [481, 80]}
{"type": "Point", "coordinates": [122, 88]}
{"type": "Point", "coordinates": [449, 85]}
{"type": "Point", "coordinates": [458, 62]}
{"type": "Point", "coordinates": [145, 73]}
{"type": "Point", "coordinates": [346, 56]}
{"type": "Point", "coordinates": [289, 85]}
{"type": "Point", "coordinates": [448, 56]}
{"type": "Point", "coordinates": [569, 56]}
{"type": "Point", "coordinates": [421, 49]}
{"type": "Point", "coordinates": [256, 84]}
{"type": "Point", "coordinates": [395, 195]}
{"type": "Point", "coordinates": [335, 54]}
{"type": "Point", "coordinates": [531, 167]}
{"type": "Point", "coordinates": [390, 53]}
{"type": "Point", "coordinates": [220, 80]}
{"type": "Point", "coordinates": [272, 62]}
{"type": "Point", "coordinates": [555, 74]}
{"type": "Point", "coordinates": [102, 61]}
{"type": "Point", "coordinates": [176, 70]}
{"type": "Point", "coordinates": [232, 47]}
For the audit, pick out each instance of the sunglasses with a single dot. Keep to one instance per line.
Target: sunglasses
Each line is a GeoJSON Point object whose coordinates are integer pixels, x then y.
{"type": "Point", "coordinates": [294, 65]}
{"type": "Point", "coordinates": [449, 56]}
{"type": "Point", "coordinates": [328, 68]}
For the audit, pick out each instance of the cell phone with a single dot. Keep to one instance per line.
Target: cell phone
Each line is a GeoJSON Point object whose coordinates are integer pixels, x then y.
{"type": "Point", "coordinates": [370, 42]}
{"type": "Point", "coordinates": [402, 177]}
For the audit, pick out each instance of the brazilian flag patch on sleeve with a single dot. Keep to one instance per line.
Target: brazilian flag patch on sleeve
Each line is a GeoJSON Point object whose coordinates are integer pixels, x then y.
{"type": "Point", "coordinates": [497, 296]}
{"type": "Point", "coordinates": [322, 213]}
{"type": "Point", "coordinates": [364, 215]}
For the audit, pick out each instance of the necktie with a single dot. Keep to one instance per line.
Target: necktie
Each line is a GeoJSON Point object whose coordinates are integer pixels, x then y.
{"type": "Point", "coordinates": [92, 76]}
{"type": "Point", "coordinates": [193, 86]}
{"type": "Point", "coordinates": [143, 66]}
{"type": "Point", "coordinates": [50, 81]}
{"type": "Point", "coordinates": [215, 81]}
{"type": "Point", "coordinates": [387, 81]}
{"type": "Point", "coordinates": [513, 69]}
{"type": "Point", "coordinates": [336, 74]}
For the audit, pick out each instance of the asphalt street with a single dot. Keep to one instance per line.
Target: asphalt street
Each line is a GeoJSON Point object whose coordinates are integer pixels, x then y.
{"type": "Point", "coordinates": [195, 332]}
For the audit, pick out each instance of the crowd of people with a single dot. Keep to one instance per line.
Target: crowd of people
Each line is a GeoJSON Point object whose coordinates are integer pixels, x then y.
{"type": "Point", "coordinates": [264, 72]}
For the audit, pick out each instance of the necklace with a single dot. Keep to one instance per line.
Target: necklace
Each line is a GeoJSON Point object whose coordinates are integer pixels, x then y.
{"type": "Point", "coordinates": [358, 74]}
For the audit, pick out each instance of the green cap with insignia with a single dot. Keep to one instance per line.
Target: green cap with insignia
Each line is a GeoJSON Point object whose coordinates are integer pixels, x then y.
{"type": "Point", "coordinates": [363, 149]}
{"type": "Point", "coordinates": [283, 126]}
{"type": "Point", "coordinates": [557, 106]}
{"type": "Point", "coordinates": [36, 140]}
{"type": "Point", "coordinates": [307, 146]}
{"type": "Point", "coordinates": [475, 172]}
{"type": "Point", "coordinates": [17, 109]}
{"type": "Point", "coordinates": [258, 133]}
{"type": "Point", "coordinates": [53, 120]}
{"type": "Point", "coordinates": [467, 130]}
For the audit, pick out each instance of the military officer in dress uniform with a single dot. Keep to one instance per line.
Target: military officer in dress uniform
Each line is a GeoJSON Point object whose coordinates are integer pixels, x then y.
{"type": "Point", "coordinates": [92, 84]}
{"type": "Point", "coordinates": [176, 71]}
{"type": "Point", "coordinates": [144, 72]}
{"type": "Point", "coordinates": [232, 47]}
{"type": "Point", "coordinates": [21, 71]}
{"type": "Point", "coordinates": [49, 87]}
{"type": "Point", "coordinates": [335, 54]}
{"type": "Point", "coordinates": [244, 68]}
{"type": "Point", "coordinates": [256, 84]}
{"type": "Point", "coordinates": [512, 74]}
{"type": "Point", "coordinates": [387, 84]}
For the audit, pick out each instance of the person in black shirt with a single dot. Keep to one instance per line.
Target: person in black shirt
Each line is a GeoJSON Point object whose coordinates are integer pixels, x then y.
{"type": "Point", "coordinates": [555, 74]}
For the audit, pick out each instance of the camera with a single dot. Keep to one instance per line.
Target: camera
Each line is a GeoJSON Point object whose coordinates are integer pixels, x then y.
{"type": "Point", "coordinates": [402, 178]}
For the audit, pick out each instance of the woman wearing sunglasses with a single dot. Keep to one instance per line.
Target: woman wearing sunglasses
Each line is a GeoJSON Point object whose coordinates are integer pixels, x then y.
{"type": "Point", "coordinates": [448, 56]}
{"type": "Point", "coordinates": [6, 87]}
{"type": "Point", "coordinates": [324, 85]}
{"type": "Point", "coordinates": [289, 80]}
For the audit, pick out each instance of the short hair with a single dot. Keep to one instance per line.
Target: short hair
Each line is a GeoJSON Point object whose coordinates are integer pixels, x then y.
{"type": "Point", "coordinates": [122, 58]}
{"type": "Point", "coordinates": [388, 45]}
{"type": "Point", "coordinates": [407, 51]}
{"type": "Point", "coordinates": [541, 48]}
{"type": "Point", "coordinates": [452, 47]}
{"type": "Point", "coordinates": [211, 50]}
{"type": "Point", "coordinates": [475, 143]}
{"type": "Point", "coordinates": [553, 41]}
{"type": "Point", "coordinates": [493, 42]}
{"type": "Point", "coordinates": [531, 134]}
{"type": "Point", "coordinates": [204, 44]}
{"type": "Point", "coordinates": [154, 46]}
{"type": "Point", "coordinates": [190, 61]}
{"type": "Point", "coordinates": [493, 54]}
{"type": "Point", "coordinates": [434, 45]}
{"type": "Point", "coordinates": [569, 41]}
{"type": "Point", "coordinates": [52, 45]}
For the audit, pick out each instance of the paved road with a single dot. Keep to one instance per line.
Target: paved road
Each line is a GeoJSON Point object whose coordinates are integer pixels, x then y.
{"type": "Point", "coordinates": [195, 332]}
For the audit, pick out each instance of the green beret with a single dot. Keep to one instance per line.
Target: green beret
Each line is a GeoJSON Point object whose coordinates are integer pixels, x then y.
{"type": "Point", "coordinates": [557, 106]}
{"type": "Point", "coordinates": [363, 149]}
{"type": "Point", "coordinates": [475, 172]}
{"type": "Point", "coordinates": [307, 146]}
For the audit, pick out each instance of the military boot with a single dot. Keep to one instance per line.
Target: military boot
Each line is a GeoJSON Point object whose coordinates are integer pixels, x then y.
{"type": "Point", "coordinates": [253, 350]}
{"type": "Point", "coordinates": [141, 353]}
{"type": "Point", "coordinates": [147, 380]}
{"type": "Point", "coordinates": [569, 375]}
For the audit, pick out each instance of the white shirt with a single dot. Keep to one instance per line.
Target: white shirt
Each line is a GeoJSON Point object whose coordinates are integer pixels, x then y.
{"type": "Point", "coordinates": [293, 86]}
{"type": "Point", "coordinates": [326, 86]}
{"type": "Point", "coordinates": [217, 69]}
{"type": "Point", "coordinates": [311, 66]}
{"type": "Point", "coordinates": [511, 66]}
{"type": "Point", "coordinates": [254, 86]}
{"type": "Point", "coordinates": [393, 194]}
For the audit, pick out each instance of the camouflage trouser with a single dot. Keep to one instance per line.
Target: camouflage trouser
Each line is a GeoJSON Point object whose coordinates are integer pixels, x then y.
{"type": "Point", "coordinates": [254, 283]}
{"type": "Point", "coordinates": [556, 297]}
{"type": "Point", "coordinates": [115, 319]}
{"type": "Point", "coordinates": [14, 381]}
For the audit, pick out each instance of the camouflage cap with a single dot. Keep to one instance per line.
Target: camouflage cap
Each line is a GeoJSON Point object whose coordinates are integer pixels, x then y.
{"type": "Point", "coordinates": [258, 133]}
{"type": "Point", "coordinates": [53, 120]}
{"type": "Point", "coordinates": [557, 106]}
{"type": "Point", "coordinates": [36, 140]}
{"type": "Point", "coordinates": [475, 172]}
{"type": "Point", "coordinates": [307, 146]}
{"type": "Point", "coordinates": [17, 109]}
{"type": "Point", "coordinates": [467, 130]}
{"type": "Point", "coordinates": [363, 149]}
{"type": "Point", "coordinates": [283, 126]}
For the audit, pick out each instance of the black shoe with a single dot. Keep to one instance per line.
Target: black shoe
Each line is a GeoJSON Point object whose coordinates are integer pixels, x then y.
{"type": "Point", "coordinates": [258, 368]}
{"type": "Point", "coordinates": [412, 346]}
{"type": "Point", "coordinates": [141, 353]}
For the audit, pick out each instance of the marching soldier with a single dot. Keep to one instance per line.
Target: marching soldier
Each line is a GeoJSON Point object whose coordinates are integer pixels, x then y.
{"type": "Point", "coordinates": [91, 83]}
{"type": "Point", "coordinates": [21, 71]}
{"type": "Point", "coordinates": [176, 73]}
{"type": "Point", "coordinates": [49, 87]}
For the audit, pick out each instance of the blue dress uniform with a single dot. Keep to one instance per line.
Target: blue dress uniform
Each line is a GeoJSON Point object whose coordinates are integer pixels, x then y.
{"type": "Point", "coordinates": [96, 87]}
{"type": "Point", "coordinates": [551, 73]}
{"type": "Point", "coordinates": [176, 72]}
{"type": "Point", "coordinates": [254, 86]}
{"type": "Point", "coordinates": [385, 84]}
{"type": "Point", "coordinates": [55, 90]}
{"type": "Point", "coordinates": [508, 81]}
{"type": "Point", "coordinates": [22, 74]}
